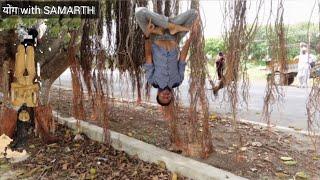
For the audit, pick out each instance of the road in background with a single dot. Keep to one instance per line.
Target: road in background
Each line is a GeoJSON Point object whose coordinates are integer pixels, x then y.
{"type": "Point", "coordinates": [292, 112]}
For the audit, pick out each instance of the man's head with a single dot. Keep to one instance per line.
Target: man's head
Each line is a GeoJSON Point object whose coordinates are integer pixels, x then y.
{"type": "Point", "coordinates": [303, 47]}
{"type": "Point", "coordinates": [304, 50]}
{"type": "Point", "coordinates": [221, 56]}
{"type": "Point", "coordinates": [164, 96]}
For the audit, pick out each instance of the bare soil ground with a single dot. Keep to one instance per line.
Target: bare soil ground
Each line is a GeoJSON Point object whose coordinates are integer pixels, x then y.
{"type": "Point", "coordinates": [250, 150]}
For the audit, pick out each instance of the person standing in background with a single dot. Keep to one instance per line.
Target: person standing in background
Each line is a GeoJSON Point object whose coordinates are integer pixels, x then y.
{"type": "Point", "coordinates": [220, 65]}
{"type": "Point", "coordinates": [304, 65]}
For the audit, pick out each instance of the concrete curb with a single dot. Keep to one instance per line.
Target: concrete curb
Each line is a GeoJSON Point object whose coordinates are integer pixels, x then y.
{"type": "Point", "coordinates": [279, 128]}
{"type": "Point", "coordinates": [175, 163]}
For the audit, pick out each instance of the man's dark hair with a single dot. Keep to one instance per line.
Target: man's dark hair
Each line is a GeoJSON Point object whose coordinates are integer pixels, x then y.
{"type": "Point", "coordinates": [163, 104]}
{"type": "Point", "coordinates": [220, 54]}
{"type": "Point", "coordinates": [31, 42]}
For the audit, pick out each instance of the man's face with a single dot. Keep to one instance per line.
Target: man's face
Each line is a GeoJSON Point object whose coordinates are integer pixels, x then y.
{"type": "Point", "coordinates": [304, 50]}
{"type": "Point", "coordinates": [165, 96]}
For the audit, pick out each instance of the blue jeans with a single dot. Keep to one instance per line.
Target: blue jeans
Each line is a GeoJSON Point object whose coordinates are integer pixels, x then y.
{"type": "Point", "coordinates": [185, 19]}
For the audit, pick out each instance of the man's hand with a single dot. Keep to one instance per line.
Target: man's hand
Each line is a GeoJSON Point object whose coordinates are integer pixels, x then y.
{"type": "Point", "coordinates": [147, 45]}
{"type": "Point", "coordinates": [150, 28]}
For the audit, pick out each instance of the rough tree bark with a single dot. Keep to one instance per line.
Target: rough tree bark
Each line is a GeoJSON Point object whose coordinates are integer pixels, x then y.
{"type": "Point", "coordinates": [137, 53]}
{"type": "Point", "coordinates": [176, 7]}
{"type": "Point", "coordinates": [7, 56]}
{"type": "Point", "coordinates": [4, 81]}
{"type": "Point", "coordinates": [167, 8]}
{"type": "Point", "coordinates": [122, 25]}
{"type": "Point", "coordinates": [158, 4]}
{"type": "Point", "coordinates": [52, 69]}
{"type": "Point", "coordinates": [52, 64]}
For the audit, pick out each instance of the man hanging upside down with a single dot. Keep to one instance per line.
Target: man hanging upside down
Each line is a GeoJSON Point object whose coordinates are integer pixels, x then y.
{"type": "Point", "coordinates": [165, 63]}
{"type": "Point", "coordinates": [24, 91]}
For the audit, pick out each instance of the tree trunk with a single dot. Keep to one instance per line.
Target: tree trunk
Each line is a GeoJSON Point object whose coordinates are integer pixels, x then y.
{"type": "Point", "coordinates": [7, 55]}
{"type": "Point", "coordinates": [51, 71]}
{"type": "Point", "coordinates": [175, 137]}
{"type": "Point", "coordinates": [44, 95]}
{"type": "Point", "coordinates": [52, 57]}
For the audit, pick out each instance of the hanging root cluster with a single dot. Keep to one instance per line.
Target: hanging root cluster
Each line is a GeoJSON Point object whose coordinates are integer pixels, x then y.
{"type": "Point", "coordinates": [78, 104]}
{"type": "Point", "coordinates": [129, 40]}
{"type": "Point", "coordinates": [278, 54]}
{"type": "Point", "coordinates": [238, 36]}
{"type": "Point", "coordinates": [89, 72]}
{"type": "Point", "coordinates": [313, 112]}
{"type": "Point", "coordinates": [198, 134]}
{"type": "Point", "coordinates": [171, 114]}
{"type": "Point", "coordinates": [313, 107]}
{"type": "Point", "coordinates": [86, 53]}
{"type": "Point", "coordinates": [122, 51]}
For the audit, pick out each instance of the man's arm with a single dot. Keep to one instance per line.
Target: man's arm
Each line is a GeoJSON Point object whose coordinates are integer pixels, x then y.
{"type": "Point", "coordinates": [183, 57]}
{"type": "Point", "coordinates": [148, 66]}
{"type": "Point", "coordinates": [148, 53]}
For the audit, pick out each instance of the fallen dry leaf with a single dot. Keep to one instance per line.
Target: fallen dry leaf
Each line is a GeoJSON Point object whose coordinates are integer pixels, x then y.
{"type": "Point", "coordinates": [243, 148]}
{"type": "Point", "coordinates": [286, 158]}
{"type": "Point", "coordinates": [316, 158]}
{"type": "Point", "coordinates": [256, 144]}
{"type": "Point", "coordinates": [290, 163]}
{"type": "Point", "coordinates": [93, 171]}
{"type": "Point", "coordinates": [281, 175]}
{"type": "Point", "coordinates": [162, 164]}
{"type": "Point", "coordinates": [302, 175]}
{"type": "Point", "coordinates": [174, 176]}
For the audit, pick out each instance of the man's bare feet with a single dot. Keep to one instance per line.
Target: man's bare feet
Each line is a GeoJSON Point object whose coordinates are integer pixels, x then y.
{"type": "Point", "coordinates": [152, 29]}
{"type": "Point", "coordinates": [158, 30]}
{"type": "Point", "coordinates": [174, 28]}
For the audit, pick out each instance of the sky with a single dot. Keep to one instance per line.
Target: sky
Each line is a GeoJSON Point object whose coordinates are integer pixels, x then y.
{"type": "Point", "coordinates": [295, 11]}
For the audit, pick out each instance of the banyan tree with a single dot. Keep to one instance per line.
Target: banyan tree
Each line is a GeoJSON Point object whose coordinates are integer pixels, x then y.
{"type": "Point", "coordinates": [95, 49]}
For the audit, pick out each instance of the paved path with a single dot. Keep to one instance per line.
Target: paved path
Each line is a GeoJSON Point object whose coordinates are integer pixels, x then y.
{"type": "Point", "coordinates": [291, 113]}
